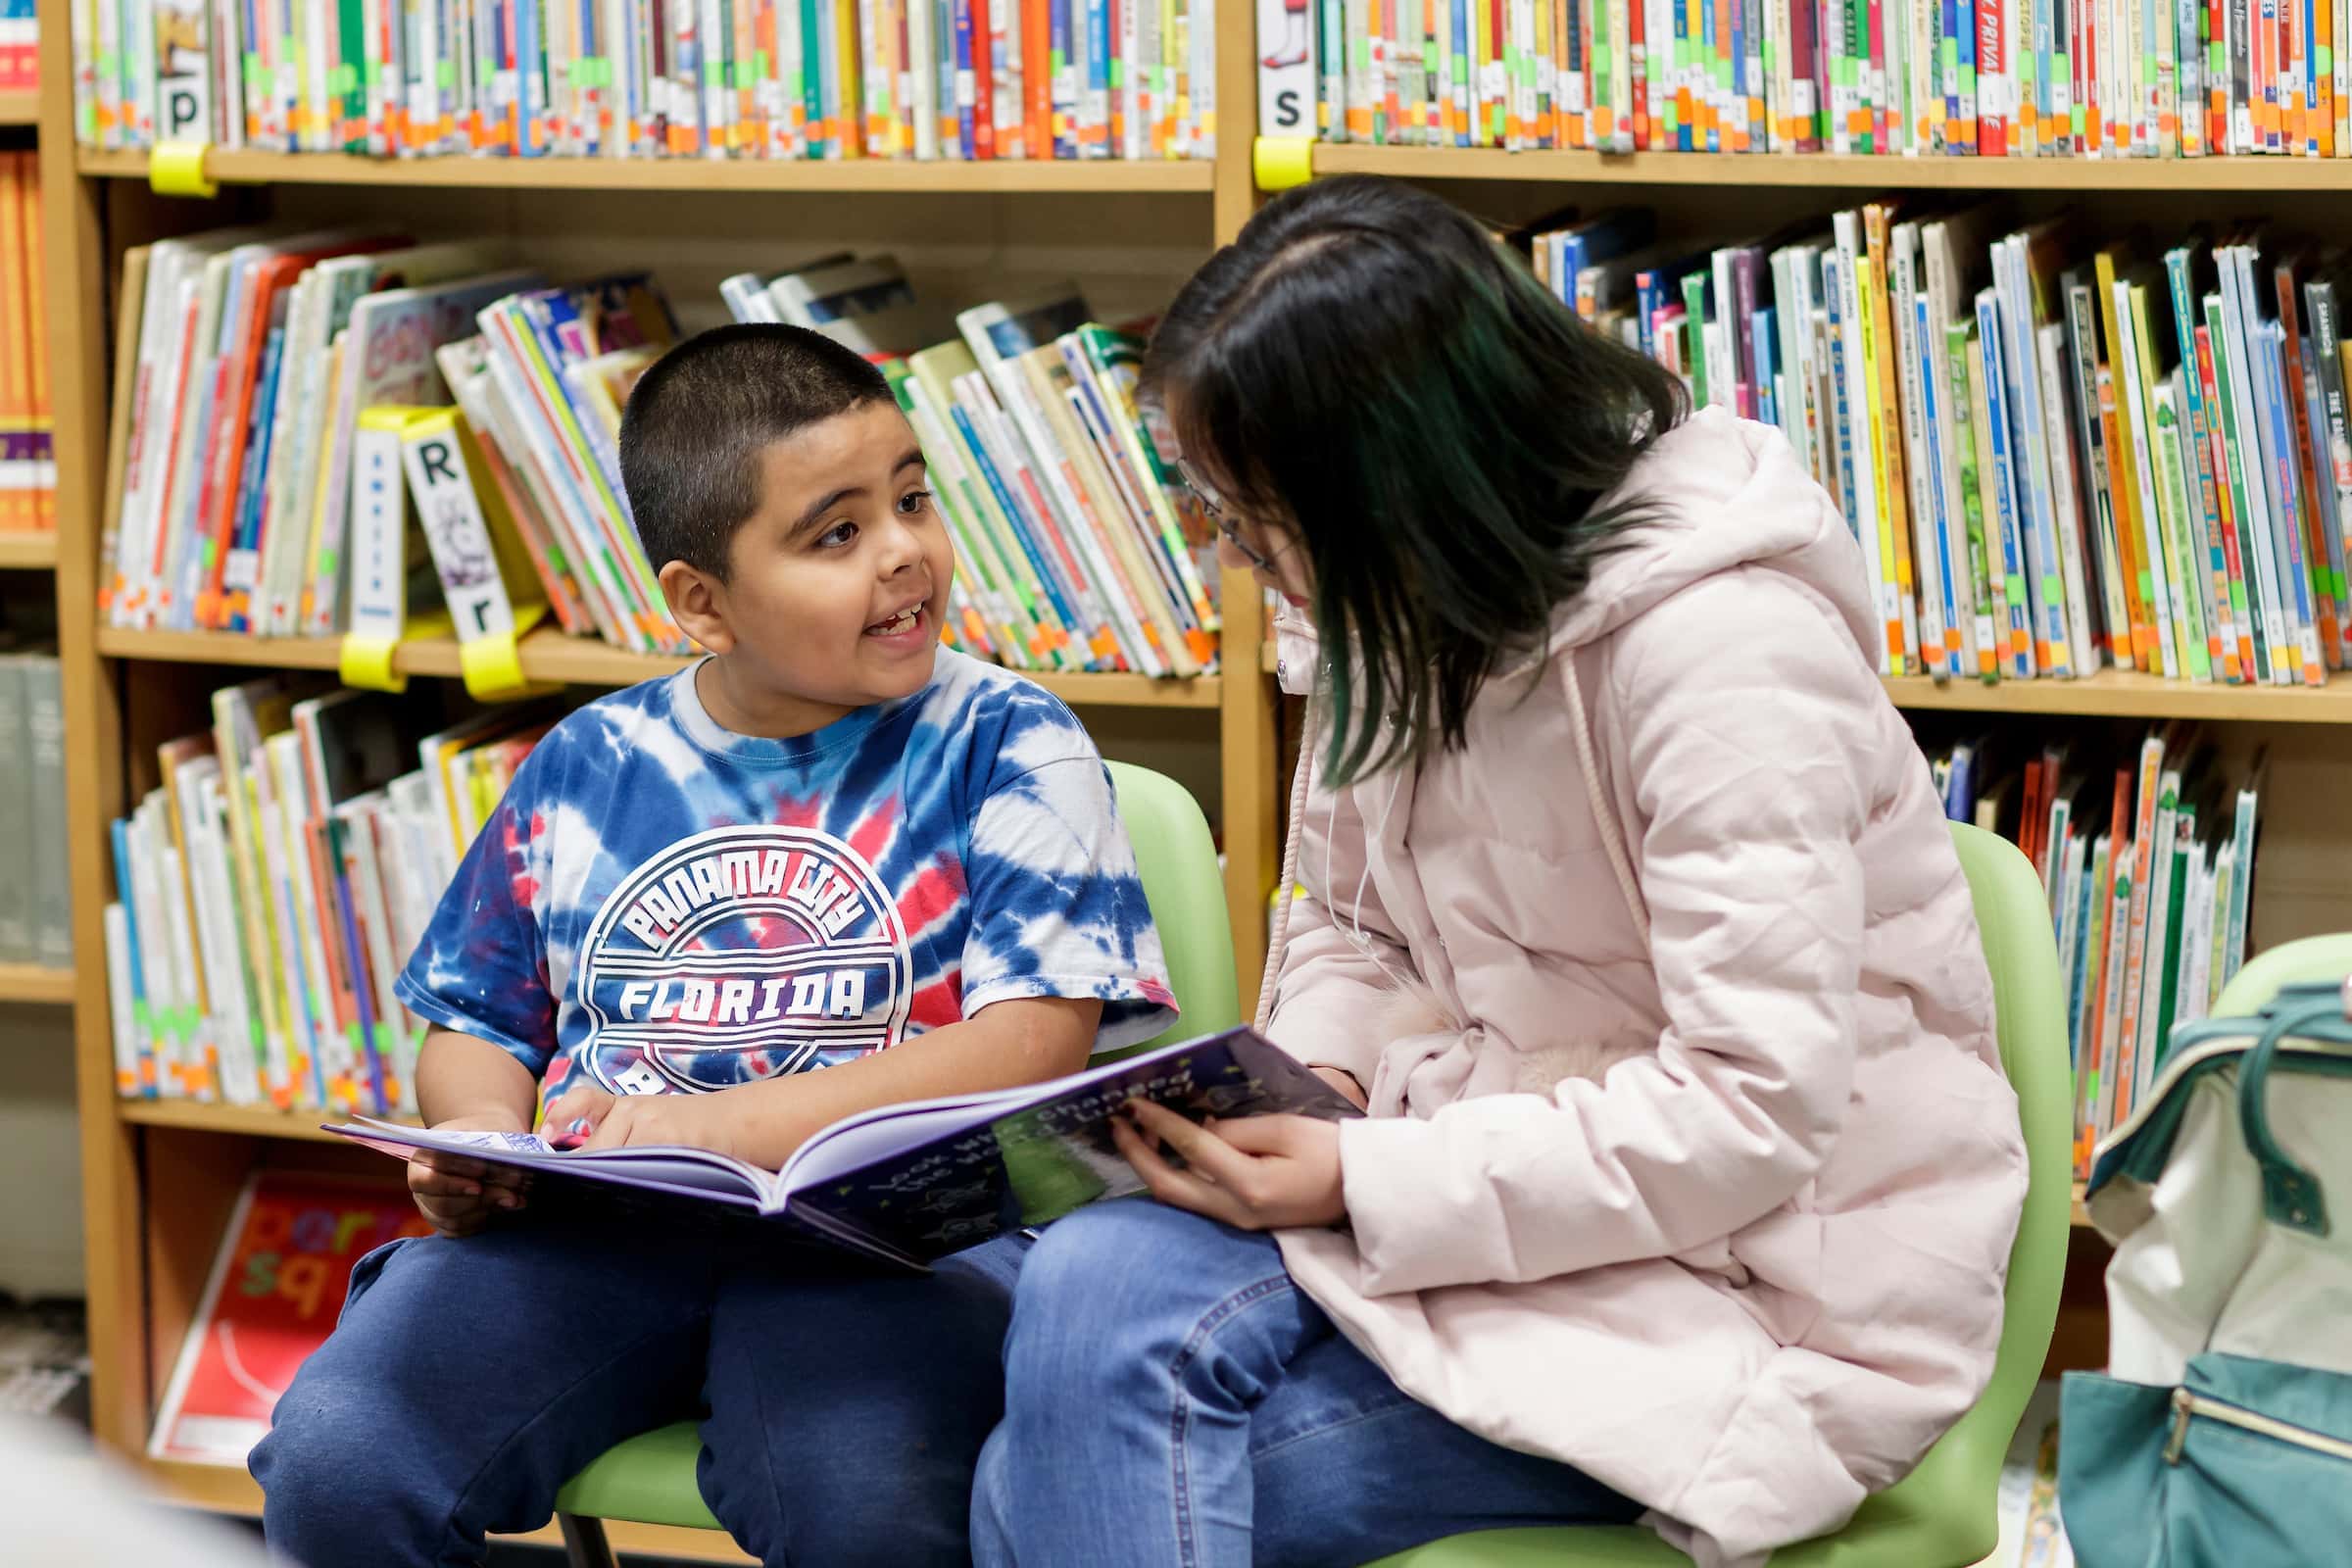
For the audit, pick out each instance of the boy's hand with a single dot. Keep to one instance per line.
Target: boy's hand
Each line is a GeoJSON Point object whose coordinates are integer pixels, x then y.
{"type": "Point", "coordinates": [589, 1118]}
{"type": "Point", "coordinates": [1260, 1173]}
{"type": "Point", "coordinates": [457, 1196]}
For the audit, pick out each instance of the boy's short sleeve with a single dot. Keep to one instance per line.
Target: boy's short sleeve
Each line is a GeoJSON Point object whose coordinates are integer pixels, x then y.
{"type": "Point", "coordinates": [480, 968]}
{"type": "Point", "coordinates": [1057, 903]}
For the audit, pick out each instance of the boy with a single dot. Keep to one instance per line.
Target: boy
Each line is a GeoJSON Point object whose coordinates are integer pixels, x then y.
{"type": "Point", "coordinates": [830, 843]}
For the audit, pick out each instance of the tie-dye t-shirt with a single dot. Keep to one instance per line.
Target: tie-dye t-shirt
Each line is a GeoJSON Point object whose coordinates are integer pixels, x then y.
{"type": "Point", "coordinates": [668, 906]}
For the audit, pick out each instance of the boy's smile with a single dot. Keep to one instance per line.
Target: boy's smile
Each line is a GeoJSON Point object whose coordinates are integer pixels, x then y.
{"type": "Point", "coordinates": [837, 585]}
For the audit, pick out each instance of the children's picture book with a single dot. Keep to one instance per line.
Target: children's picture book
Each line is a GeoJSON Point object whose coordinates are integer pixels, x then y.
{"type": "Point", "coordinates": [909, 1184]}
{"type": "Point", "coordinates": [277, 1289]}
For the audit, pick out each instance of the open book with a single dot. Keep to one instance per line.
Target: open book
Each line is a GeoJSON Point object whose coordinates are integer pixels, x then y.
{"type": "Point", "coordinates": [912, 1183]}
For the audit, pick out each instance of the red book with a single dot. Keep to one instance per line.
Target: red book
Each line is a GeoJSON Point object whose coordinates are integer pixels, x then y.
{"type": "Point", "coordinates": [1037, 78]}
{"type": "Point", "coordinates": [984, 84]}
{"type": "Point", "coordinates": [277, 1288]}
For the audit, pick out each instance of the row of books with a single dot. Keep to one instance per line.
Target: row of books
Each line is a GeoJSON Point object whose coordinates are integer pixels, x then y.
{"type": "Point", "coordinates": [654, 78]}
{"type": "Point", "coordinates": [19, 46]}
{"type": "Point", "coordinates": [36, 924]}
{"type": "Point", "coordinates": [2147, 853]}
{"type": "Point", "coordinates": [27, 463]}
{"type": "Point", "coordinates": [269, 888]}
{"type": "Point", "coordinates": [1079, 547]}
{"type": "Point", "coordinates": [2058, 450]}
{"type": "Point", "coordinates": [1994, 78]}
{"type": "Point", "coordinates": [263, 382]}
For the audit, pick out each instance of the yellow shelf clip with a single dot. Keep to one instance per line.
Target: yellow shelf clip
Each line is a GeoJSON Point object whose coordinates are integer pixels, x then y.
{"type": "Point", "coordinates": [1278, 162]}
{"type": "Point", "coordinates": [176, 168]}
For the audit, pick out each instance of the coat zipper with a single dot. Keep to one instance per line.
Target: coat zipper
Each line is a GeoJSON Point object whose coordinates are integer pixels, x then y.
{"type": "Point", "coordinates": [2186, 1405]}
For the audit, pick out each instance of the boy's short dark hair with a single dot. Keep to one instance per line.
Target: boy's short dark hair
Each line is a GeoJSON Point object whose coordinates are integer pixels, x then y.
{"type": "Point", "coordinates": [697, 421]}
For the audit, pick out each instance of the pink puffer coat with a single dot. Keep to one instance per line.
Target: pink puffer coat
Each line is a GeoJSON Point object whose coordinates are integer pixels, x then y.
{"type": "Point", "coordinates": [1690, 1163]}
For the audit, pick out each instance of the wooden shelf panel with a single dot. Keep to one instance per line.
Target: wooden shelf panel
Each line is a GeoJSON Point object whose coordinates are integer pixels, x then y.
{"type": "Point", "coordinates": [28, 552]}
{"type": "Point", "coordinates": [20, 107]}
{"type": "Point", "coordinates": [577, 661]}
{"type": "Point", "coordinates": [2122, 694]}
{"type": "Point", "coordinates": [1831, 172]}
{"type": "Point", "coordinates": [2114, 693]}
{"type": "Point", "coordinates": [847, 175]}
{"type": "Point", "coordinates": [33, 982]}
{"type": "Point", "coordinates": [244, 1121]}
{"type": "Point", "coordinates": [225, 1489]}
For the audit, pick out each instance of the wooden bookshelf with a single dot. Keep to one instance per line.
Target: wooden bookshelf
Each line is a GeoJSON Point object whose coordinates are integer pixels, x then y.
{"type": "Point", "coordinates": [549, 655]}
{"type": "Point", "coordinates": [245, 1121]}
{"type": "Point", "coordinates": [2125, 694]}
{"type": "Point", "coordinates": [877, 175]}
{"type": "Point", "coordinates": [28, 552]}
{"type": "Point", "coordinates": [1832, 171]}
{"type": "Point", "coordinates": [20, 107]}
{"type": "Point", "coordinates": [2109, 693]}
{"type": "Point", "coordinates": [38, 983]}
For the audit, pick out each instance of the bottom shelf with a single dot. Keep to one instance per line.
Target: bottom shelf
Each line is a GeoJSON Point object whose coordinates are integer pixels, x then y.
{"type": "Point", "coordinates": [219, 1489]}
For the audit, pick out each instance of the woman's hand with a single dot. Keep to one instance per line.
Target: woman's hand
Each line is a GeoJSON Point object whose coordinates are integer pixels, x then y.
{"type": "Point", "coordinates": [1260, 1173]}
{"type": "Point", "coordinates": [457, 1196]}
{"type": "Point", "coordinates": [589, 1118]}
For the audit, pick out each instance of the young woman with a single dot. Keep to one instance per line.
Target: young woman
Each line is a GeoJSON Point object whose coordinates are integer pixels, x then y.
{"type": "Point", "coordinates": [1628, 910]}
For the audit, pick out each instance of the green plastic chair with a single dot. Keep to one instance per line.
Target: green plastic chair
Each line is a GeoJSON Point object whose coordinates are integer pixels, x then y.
{"type": "Point", "coordinates": [2262, 976]}
{"type": "Point", "coordinates": [650, 1478]}
{"type": "Point", "coordinates": [1942, 1515]}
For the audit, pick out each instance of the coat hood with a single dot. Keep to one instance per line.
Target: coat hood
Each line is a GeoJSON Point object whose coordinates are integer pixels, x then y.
{"type": "Point", "coordinates": [1720, 492]}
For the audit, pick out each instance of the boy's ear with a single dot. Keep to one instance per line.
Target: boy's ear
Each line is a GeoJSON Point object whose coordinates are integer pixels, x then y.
{"type": "Point", "coordinates": [698, 602]}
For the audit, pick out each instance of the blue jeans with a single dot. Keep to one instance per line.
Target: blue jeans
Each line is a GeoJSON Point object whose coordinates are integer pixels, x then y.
{"type": "Point", "coordinates": [842, 1414]}
{"type": "Point", "coordinates": [1173, 1400]}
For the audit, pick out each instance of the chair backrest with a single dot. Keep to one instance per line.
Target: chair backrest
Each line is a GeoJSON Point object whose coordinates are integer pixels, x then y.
{"type": "Point", "coordinates": [2321, 958]}
{"type": "Point", "coordinates": [2013, 919]}
{"type": "Point", "coordinates": [1178, 861]}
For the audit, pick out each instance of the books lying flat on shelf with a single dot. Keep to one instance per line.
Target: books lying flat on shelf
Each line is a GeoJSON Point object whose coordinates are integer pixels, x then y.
{"type": "Point", "coordinates": [28, 463]}
{"type": "Point", "coordinates": [654, 78]}
{"type": "Point", "coordinates": [1077, 546]}
{"type": "Point", "coordinates": [913, 1182]}
{"type": "Point", "coordinates": [276, 1287]}
{"type": "Point", "coordinates": [270, 887]}
{"type": "Point", "coordinates": [2058, 452]}
{"type": "Point", "coordinates": [1990, 78]}
{"type": "Point", "coordinates": [2147, 855]}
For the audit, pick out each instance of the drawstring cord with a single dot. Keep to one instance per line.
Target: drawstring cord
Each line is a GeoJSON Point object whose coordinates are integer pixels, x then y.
{"type": "Point", "coordinates": [1604, 813]}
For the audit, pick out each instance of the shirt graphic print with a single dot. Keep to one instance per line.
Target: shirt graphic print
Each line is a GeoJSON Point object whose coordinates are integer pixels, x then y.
{"type": "Point", "coordinates": [666, 906]}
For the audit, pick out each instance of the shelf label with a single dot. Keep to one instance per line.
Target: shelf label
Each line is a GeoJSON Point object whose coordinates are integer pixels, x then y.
{"type": "Point", "coordinates": [1278, 162]}
{"type": "Point", "coordinates": [176, 168]}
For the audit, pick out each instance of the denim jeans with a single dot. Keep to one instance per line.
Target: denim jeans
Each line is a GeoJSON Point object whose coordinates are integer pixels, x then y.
{"type": "Point", "coordinates": [842, 1414]}
{"type": "Point", "coordinates": [1173, 1400]}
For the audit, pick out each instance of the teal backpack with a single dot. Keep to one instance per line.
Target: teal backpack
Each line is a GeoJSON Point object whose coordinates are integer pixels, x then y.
{"type": "Point", "coordinates": [2221, 1433]}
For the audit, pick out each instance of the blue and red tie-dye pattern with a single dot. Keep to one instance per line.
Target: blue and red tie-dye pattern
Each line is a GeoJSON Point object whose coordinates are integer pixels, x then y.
{"type": "Point", "coordinates": [666, 906]}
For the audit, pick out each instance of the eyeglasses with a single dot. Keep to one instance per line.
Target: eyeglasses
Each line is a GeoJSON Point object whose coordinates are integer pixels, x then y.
{"type": "Point", "coordinates": [1214, 505]}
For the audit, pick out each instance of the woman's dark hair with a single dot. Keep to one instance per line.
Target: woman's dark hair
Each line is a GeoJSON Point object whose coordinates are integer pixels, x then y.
{"type": "Point", "coordinates": [1367, 366]}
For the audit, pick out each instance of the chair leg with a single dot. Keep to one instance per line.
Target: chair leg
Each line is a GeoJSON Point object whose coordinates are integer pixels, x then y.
{"type": "Point", "coordinates": [584, 1542]}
